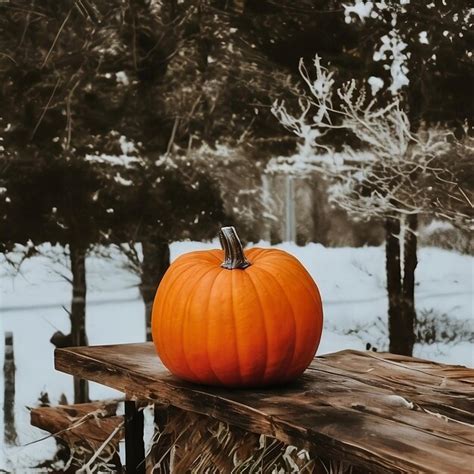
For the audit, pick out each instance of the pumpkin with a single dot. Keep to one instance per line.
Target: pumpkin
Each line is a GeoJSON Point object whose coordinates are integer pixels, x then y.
{"type": "Point", "coordinates": [229, 318]}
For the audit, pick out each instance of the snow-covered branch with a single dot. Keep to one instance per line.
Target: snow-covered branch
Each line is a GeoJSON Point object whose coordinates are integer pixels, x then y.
{"type": "Point", "coordinates": [393, 172]}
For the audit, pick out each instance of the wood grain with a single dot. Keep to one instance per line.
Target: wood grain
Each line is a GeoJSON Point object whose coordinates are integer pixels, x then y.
{"type": "Point", "coordinates": [85, 426]}
{"type": "Point", "coordinates": [383, 412]}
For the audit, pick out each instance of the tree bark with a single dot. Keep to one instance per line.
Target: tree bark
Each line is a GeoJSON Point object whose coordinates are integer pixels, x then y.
{"type": "Point", "coordinates": [393, 270]}
{"type": "Point", "coordinates": [77, 255]}
{"type": "Point", "coordinates": [156, 260]}
{"type": "Point", "coordinates": [401, 284]}
{"type": "Point", "coordinates": [408, 283]}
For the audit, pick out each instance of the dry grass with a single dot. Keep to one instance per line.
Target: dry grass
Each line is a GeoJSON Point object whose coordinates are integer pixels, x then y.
{"type": "Point", "coordinates": [202, 445]}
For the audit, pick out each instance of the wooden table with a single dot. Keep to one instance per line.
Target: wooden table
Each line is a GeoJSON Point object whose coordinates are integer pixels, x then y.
{"type": "Point", "coordinates": [378, 411]}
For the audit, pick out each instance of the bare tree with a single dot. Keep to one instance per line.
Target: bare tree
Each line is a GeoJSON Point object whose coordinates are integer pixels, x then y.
{"type": "Point", "coordinates": [396, 175]}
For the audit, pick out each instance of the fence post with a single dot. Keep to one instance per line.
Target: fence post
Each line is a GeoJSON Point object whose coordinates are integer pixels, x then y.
{"type": "Point", "coordinates": [290, 211]}
{"type": "Point", "coordinates": [10, 435]}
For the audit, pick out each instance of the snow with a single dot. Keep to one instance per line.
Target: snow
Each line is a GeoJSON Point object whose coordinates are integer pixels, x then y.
{"type": "Point", "coordinates": [116, 160]}
{"type": "Point", "coordinates": [359, 8]}
{"type": "Point", "coordinates": [120, 180]}
{"type": "Point", "coordinates": [437, 226]}
{"type": "Point", "coordinates": [351, 281]}
{"type": "Point", "coordinates": [125, 160]}
{"type": "Point", "coordinates": [393, 48]}
{"type": "Point", "coordinates": [423, 37]}
{"type": "Point", "coordinates": [127, 146]}
{"type": "Point", "coordinates": [122, 78]}
{"type": "Point", "coordinates": [305, 162]}
{"type": "Point", "coordinates": [375, 83]}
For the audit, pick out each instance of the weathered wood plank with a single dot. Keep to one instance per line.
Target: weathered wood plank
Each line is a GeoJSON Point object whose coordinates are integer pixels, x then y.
{"type": "Point", "coordinates": [448, 390]}
{"type": "Point", "coordinates": [349, 405]}
{"type": "Point", "coordinates": [82, 427]}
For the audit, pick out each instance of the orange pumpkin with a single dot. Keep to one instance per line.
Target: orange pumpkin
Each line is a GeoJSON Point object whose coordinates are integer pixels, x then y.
{"type": "Point", "coordinates": [234, 319]}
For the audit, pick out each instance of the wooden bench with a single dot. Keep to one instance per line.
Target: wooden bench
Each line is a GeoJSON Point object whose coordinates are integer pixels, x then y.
{"type": "Point", "coordinates": [377, 411]}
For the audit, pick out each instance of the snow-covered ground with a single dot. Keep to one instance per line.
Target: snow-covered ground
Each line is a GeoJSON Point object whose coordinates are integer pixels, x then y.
{"type": "Point", "coordinates": [352, 283]}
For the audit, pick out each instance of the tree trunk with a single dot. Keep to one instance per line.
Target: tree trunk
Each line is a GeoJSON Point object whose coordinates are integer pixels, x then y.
{"type": "Point", "coordinates": [156, 260]}
{"type": "Point", "coordinates": [392, 256]}
{"type": "Point", "coordinates": [401, 284]}
{"type": "Point", "coordinates": [77, 254]}
{"type": "Point", "coordinates": [408, 288]}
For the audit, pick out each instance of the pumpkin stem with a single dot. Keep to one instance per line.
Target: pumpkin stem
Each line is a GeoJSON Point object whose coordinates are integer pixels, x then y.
{"type": "Point", "coordinates": [233, 252]}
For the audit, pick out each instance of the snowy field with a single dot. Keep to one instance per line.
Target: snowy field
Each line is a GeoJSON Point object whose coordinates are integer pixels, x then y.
{"type": "Point", "coordinates": [351, 281]}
